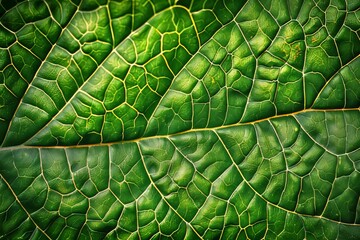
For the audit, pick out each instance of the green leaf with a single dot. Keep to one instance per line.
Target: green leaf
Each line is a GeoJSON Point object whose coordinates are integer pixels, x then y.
{"type": "Point", "coordinates": [179, 119]}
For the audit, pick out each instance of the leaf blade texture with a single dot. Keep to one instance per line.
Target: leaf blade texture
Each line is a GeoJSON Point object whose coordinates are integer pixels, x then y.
{"type": "Point", "coordinates": [179, 119]}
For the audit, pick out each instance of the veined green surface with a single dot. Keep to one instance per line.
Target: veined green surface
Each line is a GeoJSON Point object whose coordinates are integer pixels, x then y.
{"type": "Point", "coordinates": [179, 119]}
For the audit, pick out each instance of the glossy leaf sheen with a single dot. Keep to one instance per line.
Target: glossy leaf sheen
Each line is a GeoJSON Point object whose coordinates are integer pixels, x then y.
{"type": "Point", "coordinates": [179, 119]}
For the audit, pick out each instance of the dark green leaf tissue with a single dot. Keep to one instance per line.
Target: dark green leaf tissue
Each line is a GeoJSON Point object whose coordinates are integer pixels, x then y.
{"type": "Point", "coordinates": [180, 119]}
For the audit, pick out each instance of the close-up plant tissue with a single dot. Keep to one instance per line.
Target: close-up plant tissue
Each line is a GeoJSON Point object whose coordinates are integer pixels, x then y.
{"type": "Point", "coordinates": [179, 119]}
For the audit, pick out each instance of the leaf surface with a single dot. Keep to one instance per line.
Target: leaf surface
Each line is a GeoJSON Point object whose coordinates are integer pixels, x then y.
{"type": "Point", "coordinates": [179, 119]}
